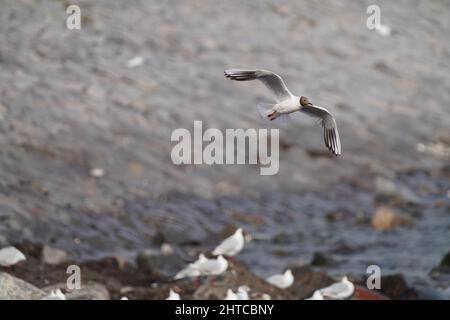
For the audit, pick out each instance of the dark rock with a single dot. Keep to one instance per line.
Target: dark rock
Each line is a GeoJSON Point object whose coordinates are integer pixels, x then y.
{"type": "Point", "coordinates": [306, 281]}
{"type": "Point", "coordinates": [445, 263]}
{"type": "Point", "coordinates": [395, 287]}
{"type": "Point", "coordinates": [155, 261]}
{"type": "Point", "coordinates": [443, 267]}
{"type": "Point", "coordinates": [321, 260]}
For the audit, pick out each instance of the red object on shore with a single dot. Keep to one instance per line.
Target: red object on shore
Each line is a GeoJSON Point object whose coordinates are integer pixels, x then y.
{"type": "Point", "coordinates": [362, 293]}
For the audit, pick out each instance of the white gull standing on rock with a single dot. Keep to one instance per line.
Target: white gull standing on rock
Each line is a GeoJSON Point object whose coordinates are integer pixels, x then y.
{"type": "Point", "coordinates": [173, 295]}
{"type": "Point", "coordinates": [316, 296]}
{"type": "Point", "coordinates": [339, 290]}
{"type": "Point", "coordinates": [9, 256]}
{"type": "Point", "coordinates": [231, 245]}
{"type": "Point", "coordinates": [282, 281]}
{"type": "Point", "coordinates": [288, 103]}
{"type": "Point", "coordinates": [191, 270]}
{"type": "Point", "coordinates": [213, 266]}
{"type": "Point", "coordinates": [242, 294]}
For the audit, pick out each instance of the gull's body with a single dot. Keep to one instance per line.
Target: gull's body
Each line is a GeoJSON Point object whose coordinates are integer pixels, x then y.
{"type": "Point", "coordinates": [316, 296]}
{"type": "Point", "coordinates": [242, 294]}
{"type": "Point", "coordinates": [339, 290]}
{"type": "Point", "coordinates": [192, 269]}
{"type": "Point", "coordinates": [231, 245]}
{"type": "Point", "coordinates": [282, 281]}
{"type": "Point", "coordinates": [173, 295]}
{"type": "Point", "coordinates": [213, 266]}
{"type": "Point", "coordinates": [288, 103]}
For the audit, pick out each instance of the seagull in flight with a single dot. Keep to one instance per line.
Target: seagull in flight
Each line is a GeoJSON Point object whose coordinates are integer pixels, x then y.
{"type": "Point", "coordinates": [288, 103]}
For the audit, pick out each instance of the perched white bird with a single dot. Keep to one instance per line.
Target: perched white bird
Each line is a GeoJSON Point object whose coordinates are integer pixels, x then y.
{"type": "Point", "coordinates": [282, 281]}
{"type": "Point", "coordinates": [213, 266]}
{"type": "Point", "coordinates": [383, 30]}
{"type": "Point", "coordinates": [288, 103]}
{"type": "Point", "coordinates": [9, 256]}
{"type": "Point", "coordinates": [231, 245]}
{"type": "Point", "coordinates": [135, 62]}
{"type": "Point", "coordinates": [124, 298]}
{"type": "Point", "coordinates": [55, 295]}
{"type": "Point", "coordinates": [173, 295]}
{"type": "Point", "coordinates": [230, 295]}
{"type": "Point", "coordinates": [339, 290]}
{"type": "Point", "coordinates": [316, 296]}
{"type": "Point", "coordinates": [191, 270]}
{"type": "Point", "coordinates": [242, 294]}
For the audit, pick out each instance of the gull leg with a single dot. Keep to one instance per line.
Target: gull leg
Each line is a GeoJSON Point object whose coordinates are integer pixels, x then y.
{"type": "Point", "coordinates": [273, 116]}
{"type": "Point", "coordinates": [270, 115]}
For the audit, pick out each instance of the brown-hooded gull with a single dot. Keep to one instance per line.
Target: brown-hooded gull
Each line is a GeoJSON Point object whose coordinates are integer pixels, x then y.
{"type": "Point", "coordinates": [213, 266]}
{"type": "Point", "coordinates": [288, 103]}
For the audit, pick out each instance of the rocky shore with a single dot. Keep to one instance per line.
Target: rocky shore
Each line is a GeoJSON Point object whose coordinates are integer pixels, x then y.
{"type": "Point", "coordinates": [118, 277]}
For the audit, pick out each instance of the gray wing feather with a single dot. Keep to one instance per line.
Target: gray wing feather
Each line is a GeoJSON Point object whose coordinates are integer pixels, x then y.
{"type": "Point", "coordinates": [330, 131]}
{"type": "Point", "coordinates": [270, 79]}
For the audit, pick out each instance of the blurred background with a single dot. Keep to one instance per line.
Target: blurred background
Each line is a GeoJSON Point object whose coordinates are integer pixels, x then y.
{"type": "Point", "coordinates": [86, 118]}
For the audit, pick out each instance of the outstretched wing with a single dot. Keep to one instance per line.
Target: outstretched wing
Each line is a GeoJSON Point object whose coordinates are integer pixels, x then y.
{"type": "Point", "coordinates": [270, 79]}
{"type": "Point", "coordinates": [330, 131]}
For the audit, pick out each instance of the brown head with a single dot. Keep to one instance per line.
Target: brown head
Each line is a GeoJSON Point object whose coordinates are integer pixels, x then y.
{"type": "Point", "coordinates": [304, 102]}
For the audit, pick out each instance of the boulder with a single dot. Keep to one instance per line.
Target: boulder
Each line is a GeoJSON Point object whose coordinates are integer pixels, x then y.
{"type": "Point", "coordinates": [53, 256]}
{"type": "Point", "coordinates": [386, 218]}
{"type": "Point", "coordinates": [321, 260]}
{"type": "Point", "coordinates": [89, 291]}
{"type": "Point", "coordinates": [12, 288]}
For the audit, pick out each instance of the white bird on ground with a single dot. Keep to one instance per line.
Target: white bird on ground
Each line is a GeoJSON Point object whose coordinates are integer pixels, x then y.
{"type": "Point", "coordinates": [288, 103]}
{"type": "Point", "coordinates": [242, 294]}
{"type": "Point", "coordinates": [55, 295]}
{"type": "Point", "coordinates": [10, 256]}
{"type": "Point", "coordinates": [316, 296]}
{"type": "Point", "coordinates": [383, 30]}
{"type": "Point", "coordinates": [191, 270]}
{"type": "Point", "coordinates": [135, 62]}
{"type": "Point", "coordinates": [339, 290]}
{"type": "Point", "coordinates": [213, 266]}
{"type": "Point", "coordinates": [231, 245]}
{"type": "Point", "coordinates": [173, 295]}
{"type": "Point", "coordinates": [283, 280]}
